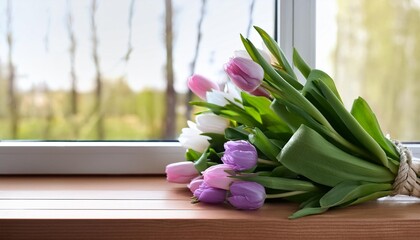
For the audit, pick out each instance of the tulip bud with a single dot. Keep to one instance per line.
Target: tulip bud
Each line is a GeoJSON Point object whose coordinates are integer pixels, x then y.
{"type": "Point", "coordinates": [240, 155]}
{"type": "Point", "coordinates": [216, 176]}
{"type": "Point", "coordinates": [200, 85]}
{"type": "Point", "coordinates": [195, 183]}
{"type": "Point", "coordinates": [244, 73]}
{"type": "Point", "coordinates": [191, 138]}
{"type": "Point", "coordinates": [181, 172]}
{"type": "Point", "coordinates": [211, 123]}
{"type": "Point", "coordinates": [208, 194]}
{"type": "Point", "coordinates": [246, 195]}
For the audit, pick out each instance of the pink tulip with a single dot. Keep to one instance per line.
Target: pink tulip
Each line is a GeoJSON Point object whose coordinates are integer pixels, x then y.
{"type": "Point", "coordinates": [244, 73]}
{"type": "Point", "coordinates": [217, 177]}
{"type": "Point", "coordinates": [200, 85]}
{"type": "Point", "coordinates": [181, 172]}
{"type": "Point", "coordinates": [195, 183]}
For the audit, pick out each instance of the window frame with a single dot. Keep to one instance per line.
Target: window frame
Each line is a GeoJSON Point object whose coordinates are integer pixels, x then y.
{"type": "Point", "coordinates": [295, 27]}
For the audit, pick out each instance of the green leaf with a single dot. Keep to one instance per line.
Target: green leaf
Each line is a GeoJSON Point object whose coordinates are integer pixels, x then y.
{"type": "Point", "coordinates": [282, 171]}
{"type": "Point", "coordinates": [309, 154]}
{"type": "Point", "coordinates": [191, 155]}
{"type": "Point", "coordinates": [214, 157]}
{"type": "Point", "coordinates": [259, 140]}
{"type": "Point", "coordinates": [301, 64]}
{"type": "Point", "coordinates": [274, 48]}
{"type": "Point", "coordinates": [267, 117]}
{"type": "Point", "coordinates": [297, 85]}
{"type": "Point", "coordinates": [319, 75]}
{"type": "Point", "coordinates": [365, 116]}
{"type": "Point", "coordinates": [232, 112]}
{"type": "Point", "coordinates": [292, 119]}
{"type": "Point", "coordinates": [237, 133]}
{"type": "Point", "coordinates": [201, 163]}
{"type": "Point", "coordinates": [357, 130]}
{"type": "Point", "coordinates": [280, 183]}
{"type": "Point", "coordinates": [307, 211]}
{"type": "Point", "coordinates": [253, 113]}
{"type": "Point", "coordinates": [349, 191]}
{"type": "Point", "coordinates": [373, 196]}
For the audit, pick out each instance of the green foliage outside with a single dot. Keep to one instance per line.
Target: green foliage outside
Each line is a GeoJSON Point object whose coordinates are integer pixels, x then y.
{"type": "Point", "coordinates": [127, 115]}
{"type": "Point", "coordinates": [377, 56]}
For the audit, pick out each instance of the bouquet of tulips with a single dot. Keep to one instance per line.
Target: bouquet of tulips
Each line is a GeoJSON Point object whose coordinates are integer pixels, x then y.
{"type": "Point", "coordinates": [266, 135]}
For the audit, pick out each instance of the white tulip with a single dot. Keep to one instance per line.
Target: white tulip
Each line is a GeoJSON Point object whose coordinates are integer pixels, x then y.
{"type": "Point", "coordinates": [191, 138]}
{"type": "Point", "coordinates": [233, 90]}
{"type": "Point", "coordinates": [221, 98]}
{"type": "Point", "coordinates": [211, 123]}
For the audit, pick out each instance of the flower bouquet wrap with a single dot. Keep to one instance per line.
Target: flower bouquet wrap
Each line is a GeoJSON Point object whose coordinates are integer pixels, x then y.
{"type": "Point", "coordinates": [266, 135]}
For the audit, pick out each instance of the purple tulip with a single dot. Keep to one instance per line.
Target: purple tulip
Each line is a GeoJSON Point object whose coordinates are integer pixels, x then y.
{"type": "Point", "coordinates": [195, 183]}
{"type": "Point", "coordinates": [181, 172]}
{"type": "Point", "coordinates": [200, 85]}
{"type": "Point", "coordinates": [240, 155]}
{"type": "Point", "coordinates": [246, 195]}
{"type": "Point", "coordinates": [217, 177]}
{"type": "Point", "coordinates": [208, 194]}
{"type": "Point", "coordinates": [244, 73]}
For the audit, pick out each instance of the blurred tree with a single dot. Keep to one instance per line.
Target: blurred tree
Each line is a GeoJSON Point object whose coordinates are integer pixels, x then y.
{"type": "Point", "coordinates": [169, 118]}
{"type": "Point", "coordinates": [13, 101]}
{"type": "Point", "coordinates": [74, 98]}
{"type": "Point", "coordinates": [99, 89]}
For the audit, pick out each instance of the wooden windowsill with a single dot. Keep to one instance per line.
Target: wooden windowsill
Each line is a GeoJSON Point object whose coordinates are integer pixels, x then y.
{"type": "Point", "coordinates": [140, 207]}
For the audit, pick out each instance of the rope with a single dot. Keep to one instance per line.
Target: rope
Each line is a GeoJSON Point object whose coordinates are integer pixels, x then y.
{"type": "Point", "coordinates": [407, 182]}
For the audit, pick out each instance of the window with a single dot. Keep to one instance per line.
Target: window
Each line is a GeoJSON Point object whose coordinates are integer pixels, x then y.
{"type": "Point", "coordinates": [296, 27]}
{"type": "Point", "coordinates": [98, 70]}
{"type": "Point", "coordinates": [112, 69]}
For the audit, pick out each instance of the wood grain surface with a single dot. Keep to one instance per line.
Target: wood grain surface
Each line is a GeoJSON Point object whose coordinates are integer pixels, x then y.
{"type": "Point", "coordinates": [147, 207]}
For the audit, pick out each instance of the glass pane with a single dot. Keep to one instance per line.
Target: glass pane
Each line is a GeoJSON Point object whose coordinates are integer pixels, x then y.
{"type": "Point", "coordinates": [91, 69]}
{"type": "Point", "coordinates": [372, 49]}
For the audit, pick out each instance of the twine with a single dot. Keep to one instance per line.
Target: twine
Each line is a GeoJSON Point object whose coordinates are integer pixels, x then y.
{"type": "Point", "coordinates": [406, 182]}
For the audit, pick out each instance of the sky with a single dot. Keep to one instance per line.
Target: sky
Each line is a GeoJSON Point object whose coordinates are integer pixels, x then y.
{"type": "Point", "coordinates": [41, 42]}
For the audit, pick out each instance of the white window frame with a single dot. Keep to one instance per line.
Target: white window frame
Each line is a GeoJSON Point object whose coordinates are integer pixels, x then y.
{"type": "Point", "coordinates": [296, 28]}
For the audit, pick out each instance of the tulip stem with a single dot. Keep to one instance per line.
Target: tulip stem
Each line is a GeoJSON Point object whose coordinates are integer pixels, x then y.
{"type": "Point", "coordinates": [268, 162]}
{"type": "Point", "coordinates": [286, 194]}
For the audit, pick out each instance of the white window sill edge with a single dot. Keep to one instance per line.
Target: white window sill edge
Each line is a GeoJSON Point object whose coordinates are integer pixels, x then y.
{"type": "Point", "coordinates": [95, 157]}
{"type": "Point", "coordinates": [88, 157]}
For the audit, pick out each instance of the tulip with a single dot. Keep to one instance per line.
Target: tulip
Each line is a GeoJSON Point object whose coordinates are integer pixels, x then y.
{"type": "Point", "coordinates": [240, 155]}
{"type": "Point", "coordinates": [200, 85]}
{"type": "Point", "coordinates": [191, 138]}
{"type": "Point", "coordinates": [246, 195]}
{"type": "Point", "coordinates": [195, 183]}
{"type": "Point", "coordinates": [208, 194]}
{"type": "Point", "coordinates": [233, 91]}
{"type": "Point", "coordinates": [220, 98]}
{"type": "Point", "coordinates": [216, 176]}
{"type": "Point", "coordinates": [181, 172]}
{"type": "Point", "coordinates": [211, 123]}
{"type": "Point", "coordinates": [244, 73]}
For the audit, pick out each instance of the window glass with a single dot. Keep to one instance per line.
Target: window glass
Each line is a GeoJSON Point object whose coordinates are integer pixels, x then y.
{"type": "Point", "coordinates": [372, 49]}
{"type": "Point", "coordinates": [105, 70]}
